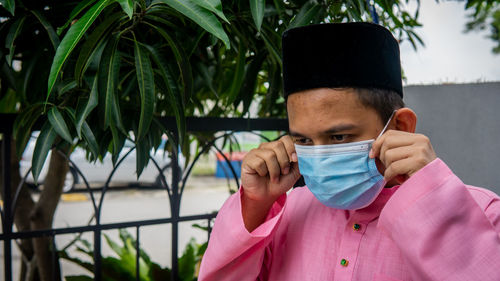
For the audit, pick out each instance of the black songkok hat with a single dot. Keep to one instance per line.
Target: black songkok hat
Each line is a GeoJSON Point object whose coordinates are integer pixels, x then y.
{"type": "Point", "coordinates": [356, 54]}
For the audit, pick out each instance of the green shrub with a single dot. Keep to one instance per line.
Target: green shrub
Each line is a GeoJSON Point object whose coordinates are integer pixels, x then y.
{"type": "Point", "coordinates": [123, 268]}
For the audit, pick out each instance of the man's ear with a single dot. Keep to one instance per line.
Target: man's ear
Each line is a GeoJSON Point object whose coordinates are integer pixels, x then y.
{"type": "Point", "coordinates": [406, 120]}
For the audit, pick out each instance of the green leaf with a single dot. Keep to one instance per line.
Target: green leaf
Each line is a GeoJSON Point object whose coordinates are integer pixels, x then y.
{"type": "Point", "coordinates": [201, 250]}
{"type": "Point", "coordinates": [83, 113]}
{"type": "Point", "coordinates": [204, 228]}
{"type": "Point", "coordinates": [187, 262]}
{"type": "Point", "coordinates": [274, 75]}
{"type": "Point", "coordinates": [104, 139]}
{"type": "Point", "coordinates": [130, 261]}
{"type": "Point", "coordinates": [89, 249]}
{"type": "Point", "coordinates": [280, 9]}
{"type": "Point", "coordinates": [159, 273]}
{"type": "Point", "coordinates": [307, 13]}
{"type": "Point", "coordinates": [171, 90]}
{"type": "Point", "coordinates": [128, 87]}
{"type": "Point", "coordinates": [92, 44]}
{"type": "Point", "coordinates": [8, 75]}
{"type": "Point", "coordinates": [54, 38]}
{"type": "Point", "coordinates": [142, 156]}
{"type": "Point", "coordinates": [84, 264]}
{"type": "Point", "coordinates": [207, 76]}
{"type": "Point", "coordinates": [249, 86]}
{"type": "Point", "coordinates": [43, 144]}
{"type": "Point", "coordinates": [273, 50]}
{"type": "Point", "coordinates": [113, 245]}
{"type": "Point", "coordinates": [8, 102]}
{"type": "Point", "coordinates": [10, 5]}
{"type": "Point", "coordinates": [182, 62]}
{"type": "Point", "coordinates": [57, 121]}
{"type": "Point", "coordinates": [70, 40]}
{"type": "Point", "coordinates": [125, 235]}
{"type": "Point", "coordinates": [214, 6]}
{"type": "Point", "coordinates": [90, 139]}
{"type": "Point", "coordinates": [118, 142]}
{"type": "Point", "coordinates": [257, 9]}
{"type": "Point", "coordinates": [82, 5]}
{"type": "Point", "coordinates": [66, 86]}
{"type": "Point", "coordinates": [23, 127]}
{"type": "Point", "coordinates": [151, 16]}
{"type": "Point", "coordinates": [109, 69]}
{"type": "Point", "coordinates": [116, 269]}
{"type": "Point", "coordinates": [239, 74]}
{"type": "Point", "coordinates": [200, 16]}
{"type": "Point", "coordinates": [145, 80]}
{"type": "Point", "coordinates": [127, 7]}
{"type": "Point", "coordinates": [71, 113]}
{"type": "Point", "coordinates": [27, 74]}
{"type": "Point", "coordinates": [14, 31]}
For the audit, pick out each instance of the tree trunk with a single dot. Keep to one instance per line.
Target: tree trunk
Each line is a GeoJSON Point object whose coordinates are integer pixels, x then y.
{"type": "Point", "coordinates": [43, 214]}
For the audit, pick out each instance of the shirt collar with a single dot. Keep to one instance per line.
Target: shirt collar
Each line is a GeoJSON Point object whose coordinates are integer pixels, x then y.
{"type": "Point", "coordinates": [372, 212]}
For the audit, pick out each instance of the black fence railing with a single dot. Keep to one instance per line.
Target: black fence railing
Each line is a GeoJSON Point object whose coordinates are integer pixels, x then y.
{"type": "Point", "coordinates": [175, 190]}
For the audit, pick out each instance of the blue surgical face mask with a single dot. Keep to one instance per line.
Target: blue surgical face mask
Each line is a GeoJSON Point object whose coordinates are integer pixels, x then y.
{"type": "Point", "coordinates": [341, 176]}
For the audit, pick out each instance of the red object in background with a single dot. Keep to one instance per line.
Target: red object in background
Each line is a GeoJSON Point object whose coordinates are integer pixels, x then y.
{"type": "Point", "coordinates": [232, 156]}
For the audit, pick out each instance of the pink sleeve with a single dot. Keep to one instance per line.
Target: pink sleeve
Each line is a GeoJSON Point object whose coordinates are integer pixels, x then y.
{"type": "Point", "coordinates": [445, 230]}
{"type": "Point", "coordinates": [233, 253]}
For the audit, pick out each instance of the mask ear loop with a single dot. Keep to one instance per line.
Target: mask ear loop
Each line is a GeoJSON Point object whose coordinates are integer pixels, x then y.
{"type": "Point", "coordinates": [387, 124]}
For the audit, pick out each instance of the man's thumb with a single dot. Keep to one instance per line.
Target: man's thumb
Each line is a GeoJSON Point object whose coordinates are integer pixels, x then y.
{"type": "Point", "coordinates": [294, 173]}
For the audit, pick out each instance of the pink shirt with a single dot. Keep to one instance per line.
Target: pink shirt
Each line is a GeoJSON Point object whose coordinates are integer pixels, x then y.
{"type": "Point", "coordinates": [432, 227]}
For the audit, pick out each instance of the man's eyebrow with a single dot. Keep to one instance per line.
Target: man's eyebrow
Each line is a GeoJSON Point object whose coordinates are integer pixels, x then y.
{"type": "Point", "coordinates": [295, 134]}
{"type": "Point", "coordinates": [332, 130]}
{"type": "Point", "coordinates": [340, 128]}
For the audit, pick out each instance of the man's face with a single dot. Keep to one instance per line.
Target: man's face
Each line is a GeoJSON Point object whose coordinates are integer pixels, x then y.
{"type": "Point", "coordinates": [327, 116]}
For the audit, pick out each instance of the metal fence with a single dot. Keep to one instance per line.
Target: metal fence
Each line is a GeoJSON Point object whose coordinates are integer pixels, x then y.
{"type": "Point", "coordinates": [174, 190]}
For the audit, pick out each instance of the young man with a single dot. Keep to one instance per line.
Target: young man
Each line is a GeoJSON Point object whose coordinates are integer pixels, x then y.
{"type": "Point", "coordinates": [379, 204]}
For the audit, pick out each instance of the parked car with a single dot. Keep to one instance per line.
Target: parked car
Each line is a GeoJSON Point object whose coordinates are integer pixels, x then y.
{"type": "Point", "coordinates": [99, 172]}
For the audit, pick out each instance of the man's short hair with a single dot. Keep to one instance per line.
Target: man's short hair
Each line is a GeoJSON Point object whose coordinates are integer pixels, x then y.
{"type": "Point", "coordinates": [384, 101]}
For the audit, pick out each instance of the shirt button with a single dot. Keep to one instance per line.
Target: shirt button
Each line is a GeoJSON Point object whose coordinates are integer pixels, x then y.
{"type": "Point", "coordinates": [356, 227]}
{"type": "Point", "coordinates": [344, 262]}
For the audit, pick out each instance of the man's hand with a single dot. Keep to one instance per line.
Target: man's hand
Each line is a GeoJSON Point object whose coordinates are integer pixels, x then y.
{"type": "Point", "coordinates": [402, 153]}
{"type": "Point", "coordinates": [267, 172]}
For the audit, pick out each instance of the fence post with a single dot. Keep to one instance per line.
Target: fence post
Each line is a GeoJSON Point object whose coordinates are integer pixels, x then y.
{"type": "Point", "coordinates": [7, 197]}
{"type": "Point", "coordinates": [175, 205]}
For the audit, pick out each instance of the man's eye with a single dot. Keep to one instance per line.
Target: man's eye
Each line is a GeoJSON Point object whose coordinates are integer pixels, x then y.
{"type": "Point", "coordinates": [302, 141]}
{"type": "Point", "coordinates": [338, 138]}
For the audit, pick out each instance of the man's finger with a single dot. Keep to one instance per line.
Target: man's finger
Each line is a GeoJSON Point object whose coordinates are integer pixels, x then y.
{"type": "Point", "coordinates": [290, 148]}
{"type": "Point", "coordinates": [256, 165]}
{"type": "Point", "coordinates": [273, 167]}
{"type": "Point", "coordinates": [389, 140]}
{"type": "Point", "coordinates": [292, 177]}
{"type": "Point", "coordinates": [375, 150]}
{"type": "Point", "coordinates": [281, 154]}
{"type": "Point", "coordinates": [400, 167]}
{"type": "Point", "coordinates": [283, 157]}
{"type": "Point", "coordinates": [394, 154]}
